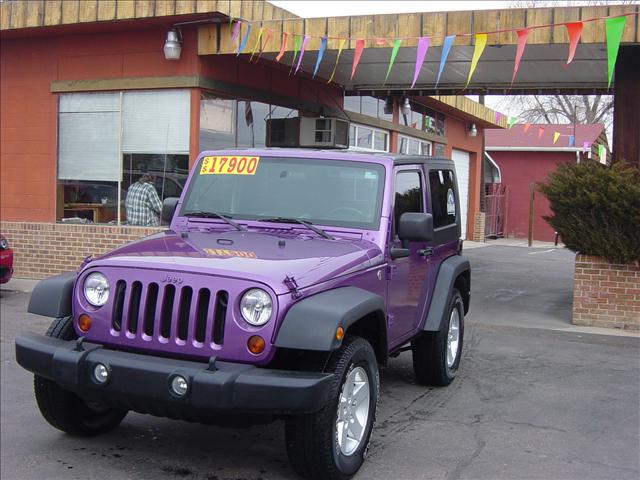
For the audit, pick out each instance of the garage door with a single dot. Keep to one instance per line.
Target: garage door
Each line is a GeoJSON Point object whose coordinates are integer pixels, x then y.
{"type": "Point", "coordinates": [461, 159]}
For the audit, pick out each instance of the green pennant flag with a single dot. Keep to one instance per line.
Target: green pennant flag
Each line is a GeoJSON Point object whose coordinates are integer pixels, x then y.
{"type": "Point", "coordinates": [614, 28]}
{"type": "Point", "coordinates": [296, 49]}
{"type": "Point", "coordinates": [601, 155]}
{"type": "Point", "coordinates": [394, 52]}
{"type": "Point", "coordinates": [512, 121]}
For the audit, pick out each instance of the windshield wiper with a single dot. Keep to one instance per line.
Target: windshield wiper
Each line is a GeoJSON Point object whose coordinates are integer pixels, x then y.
{"type": "Point", "coordinates": [226, 218]}
{"type": "Point", "coordinates": [322, 233]}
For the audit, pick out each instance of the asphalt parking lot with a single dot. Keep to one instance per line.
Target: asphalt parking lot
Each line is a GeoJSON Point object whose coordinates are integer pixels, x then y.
{"type": "Point", "coordinates": [535, 399]}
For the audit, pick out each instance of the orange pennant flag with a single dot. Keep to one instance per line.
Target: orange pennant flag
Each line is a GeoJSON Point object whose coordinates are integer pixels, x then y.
{"type": "Point", "coordinates": [526, 127]}
{"type": "Point", "coordinates": [283, 46]}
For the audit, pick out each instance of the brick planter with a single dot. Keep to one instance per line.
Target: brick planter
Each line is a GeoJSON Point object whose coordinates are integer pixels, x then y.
{"type": "Point", "coordinates": [606, 294]}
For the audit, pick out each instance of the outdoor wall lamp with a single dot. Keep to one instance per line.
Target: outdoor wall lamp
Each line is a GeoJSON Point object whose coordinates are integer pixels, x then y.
{"type": "Point", "coordinates": [172, 45]}
{"type": "Point", "coordinates": [406, 107]}
{"type": "Point", "coordinates": [473, 130]}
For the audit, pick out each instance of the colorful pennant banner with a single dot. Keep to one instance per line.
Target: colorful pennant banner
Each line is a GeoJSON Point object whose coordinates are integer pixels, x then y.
{"type": "Point", "coordinates": [614, 29]}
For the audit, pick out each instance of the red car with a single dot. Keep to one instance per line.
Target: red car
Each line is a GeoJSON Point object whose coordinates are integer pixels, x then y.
{"type": "Point", "coordinates": [6, 260]}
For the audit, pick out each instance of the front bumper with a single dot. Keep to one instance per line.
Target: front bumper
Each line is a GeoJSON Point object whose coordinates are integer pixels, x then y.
{"type": "Point", "coordinates": [142, 382]}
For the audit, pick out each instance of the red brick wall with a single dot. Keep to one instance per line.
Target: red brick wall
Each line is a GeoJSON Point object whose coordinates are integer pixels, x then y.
{"type": "Point", "coordinates": [605, 294]}
{"type": "Point", "coordinates": [44, 249]}
{"type": "Point", "coordinates": [518, 170]}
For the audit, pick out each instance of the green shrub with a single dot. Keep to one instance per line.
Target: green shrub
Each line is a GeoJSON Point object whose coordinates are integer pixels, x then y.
{"type": "Point", "coordinates": [596, 209]}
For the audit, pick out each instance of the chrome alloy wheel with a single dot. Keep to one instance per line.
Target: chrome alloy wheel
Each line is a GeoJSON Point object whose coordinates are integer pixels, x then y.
{"type": "Point", "coordinates": [453, 337]}
{"type": "Point", "coordinates": [353, 411]}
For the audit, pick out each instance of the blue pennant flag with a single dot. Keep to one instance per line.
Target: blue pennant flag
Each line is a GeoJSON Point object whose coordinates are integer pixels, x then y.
{"type": "Point", "coordinates": [244, 41]}
{"type": "Point", "coordinates": [446, 47]}
{"type": "Point", "coordinates": [323, 46]}
{"type": "Point", "coordinates": [572, 140]}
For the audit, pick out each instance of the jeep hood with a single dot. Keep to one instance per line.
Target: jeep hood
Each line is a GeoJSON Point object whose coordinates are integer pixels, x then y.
{"type": "Point", "coordinates": [264, 257]}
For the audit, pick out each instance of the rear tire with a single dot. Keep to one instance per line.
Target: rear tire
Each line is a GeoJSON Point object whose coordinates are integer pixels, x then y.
{"type": "Point", "coordinates": [434, 362]}
{"type": "Point", "coordinates": [63, 409]}
{"type": "Point", "coordinates": [314, 447]}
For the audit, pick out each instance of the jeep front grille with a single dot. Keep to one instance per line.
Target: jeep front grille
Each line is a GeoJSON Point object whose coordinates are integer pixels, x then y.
{"type": "Point", "coordinates": [182, 314]}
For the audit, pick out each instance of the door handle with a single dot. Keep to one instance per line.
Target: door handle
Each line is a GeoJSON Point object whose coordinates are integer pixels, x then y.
{"type": "Point", "coordinates": [425, 252]}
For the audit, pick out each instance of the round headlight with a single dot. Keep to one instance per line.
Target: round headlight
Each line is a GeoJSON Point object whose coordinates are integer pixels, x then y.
{"type": "Point", "coordinates": [96, 289]}
{"type": "Point", "coordinates": [256, 307]}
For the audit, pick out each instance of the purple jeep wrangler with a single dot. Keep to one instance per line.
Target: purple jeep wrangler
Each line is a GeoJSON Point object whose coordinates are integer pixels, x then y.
{"type": "Point", "coordinates": [286, 277]}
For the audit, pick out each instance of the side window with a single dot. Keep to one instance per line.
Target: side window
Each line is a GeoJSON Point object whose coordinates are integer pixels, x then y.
{"type": "Point", "coordinates": [443, 201]}
{"type": "Point", "coordinates": [408, 194]}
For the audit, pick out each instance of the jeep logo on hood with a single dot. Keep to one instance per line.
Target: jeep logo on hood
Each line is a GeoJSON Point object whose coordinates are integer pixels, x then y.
{"type": "Point", "coordinates": [172, 279]}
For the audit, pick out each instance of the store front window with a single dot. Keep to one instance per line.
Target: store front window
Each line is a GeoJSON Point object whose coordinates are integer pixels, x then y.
{"type": "Point", "coordinates": [362, 137]}
{"type": "Point", "coordinates": [413, 146]}
{"type": "Point", "coordinates": [229, 123]}
{"type": "Point", "coordinates": [109, 141]}
{"type": "Point", "coordinates": [367, 105]}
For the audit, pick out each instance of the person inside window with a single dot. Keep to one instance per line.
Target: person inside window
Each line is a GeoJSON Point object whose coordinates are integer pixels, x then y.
{"type": "Point", "coordinates": [143, 203]}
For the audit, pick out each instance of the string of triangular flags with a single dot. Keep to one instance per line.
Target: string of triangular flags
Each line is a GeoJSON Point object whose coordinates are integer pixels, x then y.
{"type": "Point", "coordinates": [571, 139]}
{"type": "Point", "coordinates": [614, 29]}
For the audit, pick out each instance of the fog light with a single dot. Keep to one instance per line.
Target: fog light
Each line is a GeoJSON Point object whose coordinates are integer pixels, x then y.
{"type": "Point", "coordinates": [256, 344]}
{"type": "Point", "coordinates": [179, 385]}
{"type": "Point", "coordinates": [101, 373]}
{"type": "Point", "coordinates": [84, 322]}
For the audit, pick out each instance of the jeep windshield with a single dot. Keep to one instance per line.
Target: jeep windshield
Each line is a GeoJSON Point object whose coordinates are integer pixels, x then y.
{"type": "Point", "coordinates": [316, 191]}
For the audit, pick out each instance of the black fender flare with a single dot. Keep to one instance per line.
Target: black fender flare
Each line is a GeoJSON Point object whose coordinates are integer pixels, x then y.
{"type": "Point", "coordinates": [51, 297]}
{"type": "Point", "coordinates": [450, 270]}
{"type": "Point", "coordinates": [311, 323]}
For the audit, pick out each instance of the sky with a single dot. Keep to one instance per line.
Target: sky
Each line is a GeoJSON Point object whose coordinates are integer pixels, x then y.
{"type": "Point", "coordinates": [319, 8]}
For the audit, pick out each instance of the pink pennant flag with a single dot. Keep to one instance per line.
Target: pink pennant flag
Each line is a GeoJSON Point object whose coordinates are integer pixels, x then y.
{"type": "Point", "coordinates": [305, 40]}
{"type": "Point", "coordinates": [236, 30]}
{"type": "Point", "coordinates": [526, 127]}
{"type": "Point", "coordinates": [556, 136]}
{"type": "Point", "coordinates": [586, 145]}
{"type": "Point", "coordinates": [356, 56]}
{"type": "Point", "coordinates": [522, 42]}
{"type": "Point", "coordinates": [498, 117]}
{"type": "Point", "coordinates": [574, 30]}
{"type": "Point", "coordinates": [380, 42]}
{"type": "Point", "coordinates": [421, 52]}
{"type": "Point", "coordinates": [540, 132]}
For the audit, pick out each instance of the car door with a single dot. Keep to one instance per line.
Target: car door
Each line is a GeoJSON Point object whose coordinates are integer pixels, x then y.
{"type": "Point", "coordinates": [407, 276]}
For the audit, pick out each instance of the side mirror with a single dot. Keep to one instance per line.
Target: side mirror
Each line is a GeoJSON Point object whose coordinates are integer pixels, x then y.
{"type": "Point", "coordinates": [168, 209]}
{"type": "Point", "coordinates": [417, 227]}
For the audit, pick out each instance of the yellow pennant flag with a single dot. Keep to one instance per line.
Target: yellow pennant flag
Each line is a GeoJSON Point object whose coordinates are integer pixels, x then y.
{"type": "Point", "coordinates": [340, 47]}
{"type": "Point", "coordinates": [481, 42]}
{"type": "Point", "coordinates": [556, 136]}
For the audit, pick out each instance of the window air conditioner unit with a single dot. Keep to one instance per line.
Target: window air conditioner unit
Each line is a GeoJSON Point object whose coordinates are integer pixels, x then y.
{"type": "Point", "coordinates": [324, 132]}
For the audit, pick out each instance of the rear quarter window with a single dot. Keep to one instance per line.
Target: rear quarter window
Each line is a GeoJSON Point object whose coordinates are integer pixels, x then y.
{"type": "Point", "coordinates": [443, 197]}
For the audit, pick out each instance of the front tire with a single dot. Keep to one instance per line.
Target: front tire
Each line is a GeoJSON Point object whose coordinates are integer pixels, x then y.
{"type": "Point", "coordinates": [332, 443]}
{"type": "Point", "coordinates": [436, 355]}
{"type": "Point", "coordinates": [63, 409]}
